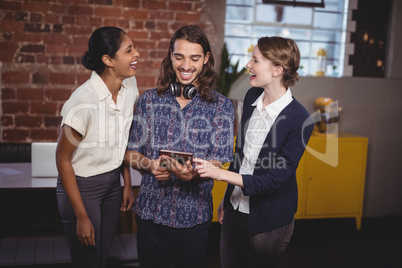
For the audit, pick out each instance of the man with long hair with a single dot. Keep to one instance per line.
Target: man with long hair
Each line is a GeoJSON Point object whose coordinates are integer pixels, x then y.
{"type": "Point", "coordinates": [184, 113]}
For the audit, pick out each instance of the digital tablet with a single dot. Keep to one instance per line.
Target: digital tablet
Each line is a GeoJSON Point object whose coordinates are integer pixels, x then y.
{"type": "Point", "coordinates": [180, 157]}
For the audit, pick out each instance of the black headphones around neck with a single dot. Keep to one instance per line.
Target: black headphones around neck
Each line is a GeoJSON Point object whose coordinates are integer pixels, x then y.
{"type": "Point", "coordinates": [189, 91]}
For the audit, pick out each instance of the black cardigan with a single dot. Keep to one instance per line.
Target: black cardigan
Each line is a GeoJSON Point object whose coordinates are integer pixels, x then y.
{"type": "Point", "coordinates": [272, 187]}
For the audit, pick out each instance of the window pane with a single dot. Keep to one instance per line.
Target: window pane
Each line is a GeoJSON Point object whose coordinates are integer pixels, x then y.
{"type": "Point", "coordinates": [326, 36]}
{"type": "Point", "coordinates": [234, 13]}
{"type": "Point", "coordinates": [331, 5]}
{"type": "Point", "coordinates": [327, 20]}
{"type": "Point", "coordinates": [260, 31]}
{"type": "Point", "coordinates": [284, 14]}
{"type": "Point", "coordinates": [239, 2]}
{"type": "Point", "coordinates": [331, 49]}
{"type": "Point", "coordinates": [304, 48]}
{"type": "Point", "coordinates": [238, 30]}
{"type": "Point", "coordinates": [237, 45]}
{"type": "Point", "coordinates": [299, 34]}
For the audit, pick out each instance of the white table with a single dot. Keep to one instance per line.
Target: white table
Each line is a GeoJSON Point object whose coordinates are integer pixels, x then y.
{"type": "Point", "coordinates": [18, 175]}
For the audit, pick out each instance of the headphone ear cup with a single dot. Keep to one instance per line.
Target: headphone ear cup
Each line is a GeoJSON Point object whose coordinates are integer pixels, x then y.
{"type": "Point", "coordinates": [175, 89]}
{"type": "Point", "coordinates": [190, 91]}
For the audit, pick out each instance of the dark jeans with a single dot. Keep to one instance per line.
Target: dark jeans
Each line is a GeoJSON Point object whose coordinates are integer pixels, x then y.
{"type": "Point", "coordinates": [101, 195]}
{"type": "Point", "coordinates": [239, 249]}
{"type": "Point", "coordinates": [162, 246]}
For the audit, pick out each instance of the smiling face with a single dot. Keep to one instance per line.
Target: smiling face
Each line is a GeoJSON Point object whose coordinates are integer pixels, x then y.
{"type": "Point", "coordinates": [263, 72]}
{"type": "Point", "coordinates": [188, 60]}
{"type": "Point", "coordinates": [125, 59]}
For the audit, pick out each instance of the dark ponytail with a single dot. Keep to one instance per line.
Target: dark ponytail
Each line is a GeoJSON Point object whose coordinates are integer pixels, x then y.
{"type": "Point", "coordinates": [103, 41]}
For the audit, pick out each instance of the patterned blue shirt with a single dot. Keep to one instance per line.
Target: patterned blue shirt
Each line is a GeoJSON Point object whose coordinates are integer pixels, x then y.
{"type": "Point", "coordinates": [202, 128]}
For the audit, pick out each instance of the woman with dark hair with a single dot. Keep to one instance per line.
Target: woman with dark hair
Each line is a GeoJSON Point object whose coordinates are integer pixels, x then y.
{"type": "Point", "coordinates": [257, 214]}
{"type": "Point", "coordinates": [90, 151]}
{"type": "Point", "coordinates": [174, 206]}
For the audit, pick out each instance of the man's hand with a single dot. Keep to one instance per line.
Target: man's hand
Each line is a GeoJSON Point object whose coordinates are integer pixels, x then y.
{"type": "Point", "coordinates": [184, 172]}
{"type": "Point", "coordinates": [161, 173]}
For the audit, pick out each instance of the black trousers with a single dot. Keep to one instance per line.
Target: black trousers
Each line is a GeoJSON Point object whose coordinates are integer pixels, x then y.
{"type": "Point", "coordinates": [162, 246]}
{"type": "Point", "coordinates": [240, 249]}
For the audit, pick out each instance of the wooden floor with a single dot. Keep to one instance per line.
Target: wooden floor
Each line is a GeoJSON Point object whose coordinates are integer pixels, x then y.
{"type": "Point", "coordinates": [54, 250]}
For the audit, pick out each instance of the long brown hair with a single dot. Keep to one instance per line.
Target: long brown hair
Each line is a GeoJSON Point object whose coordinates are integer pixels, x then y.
{"type": "Point", "coordinates": [282, 52]}
{"type": "Point", "coordinates": [206, 78]}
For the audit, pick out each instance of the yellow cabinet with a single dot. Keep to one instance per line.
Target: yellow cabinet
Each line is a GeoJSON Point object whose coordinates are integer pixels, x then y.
{"type": "Point", "coordinates": [331, 177]}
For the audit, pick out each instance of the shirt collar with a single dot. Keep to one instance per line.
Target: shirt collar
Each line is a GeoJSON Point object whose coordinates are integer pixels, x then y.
{"type": "Point", "coordinates": [101, 89]}
{"type": "Point", "coordinates": [277, 106]}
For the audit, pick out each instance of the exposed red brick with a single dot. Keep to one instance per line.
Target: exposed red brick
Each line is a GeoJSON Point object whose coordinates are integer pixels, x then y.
{"type": "Point", "coordinates": [81, 20]}
{"type": "Point", "coordinates": [52, 121]}
{"type": "Point", "coordinates": [181, 6]}
{"type": "Point", "coordinates": [23, 37]}
{"type": "Point", "coordinates": [58, 94]}
{"type": "Point", "coordinates": [62, 78]}
{"type": "Point", "coordinates": [52, 19]}
{"type": "Point", "coordinates": [11, 25]}
{"type": "Point", "coordinates": [35, 17]}
{"type": "Point", "coordinates": [42, 7]}
{"type": "Point", "coordinates": [56, 49]}
{"type": "Point", "coordinates": [127, 3]}
{"type": "Point", "coordinates": [69, 2]}
{"type": "Point", "coordinates": [161, 35]}
{"type": "Point", "coordinates": [18, 77]}
{"type": "Point", "coordinates": [30, 94]}
{"type": "Point", "coordinates": [42, 59]}
{"type": "Point", "coordinates": [56, 60]}
{"type": "Point", "coordinates": [57, 39]}
{"type": "Point", "coordinates": [28, 121]}
{"type": "Point", "coordinates": [84, 30]}
{"type": "Point", "coordinates": [96, 22]}
{"type": "Point", "coordinates": [60, 9]}
{"type": "Point", "coordinates": [136, 35]}
{"type": "Point", "coordinates": [8, 47]}
{"type": "Point", "coordinates": [8, 93]}
{"type": "Point", "coordinates": [15, 135]}
{"type": "Point", "coordinates": [188, 17]}
{"type": "Point", "coordinates": [68, 19]}
{"type": "Point", "coordinates": [77, 50]}
{"type": "Point", "coordinates": [33, 48]}
{"type": "Point", "coordinates": [44, 134]}
{"type": "Point", "coordinates": [110, 21]}
{"type": "Point", "coordinates": [146, 81]}
{"type": "Point", "coordinates": [10, 5]}
{"type": "Point", "coordinates": [141, 44]}
{"type": "Point", "coordinates": [83, 76]}
{"type": "Point", "coordinates": [80, 10]}
{"type": "Point", "coordinates": [153, 5]}
{"type": "Point", "coordinates": [101, 2]}
{"type": "Point", "coordinates": [43, 107]}
{"type": "Point", "coordinates": [15, 107]}
{"type": "Point", "coordinates": [162, 15]}
{"type": "Point", "coordinates": [107, 12]}
{"type": "Point", "coordinates": [135, 14]}
{"type": "Point", "coordinates": [40, 77]}
{"type": "Point", "coordinates": [7, 121]}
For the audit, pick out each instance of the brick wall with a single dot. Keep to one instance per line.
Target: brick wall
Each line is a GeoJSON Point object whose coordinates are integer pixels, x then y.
{"type": "Point", "coordinates": [42, 41]}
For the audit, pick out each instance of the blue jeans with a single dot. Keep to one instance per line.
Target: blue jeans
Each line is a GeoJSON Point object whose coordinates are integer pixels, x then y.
{"type": "Point", "coordinates": [240, 249]}
{"type": "Point", "coordinates": [101, 195]}
{"type": "Point", "coordinates": [161, 246]}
